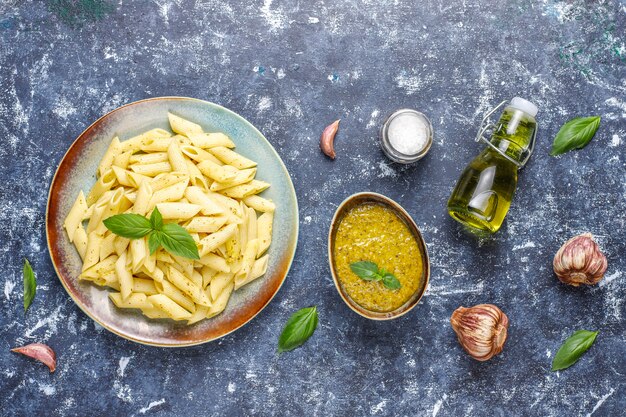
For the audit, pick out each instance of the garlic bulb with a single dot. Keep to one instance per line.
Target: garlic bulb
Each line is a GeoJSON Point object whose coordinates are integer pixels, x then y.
{"type": "Point", "coordinates": [580, 261]}
{"type": "Point", "coordinates": [481, 330]}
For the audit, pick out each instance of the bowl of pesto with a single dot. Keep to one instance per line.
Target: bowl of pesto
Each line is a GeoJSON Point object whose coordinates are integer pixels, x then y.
{"type": "Point", "coordinates": [378, 258]}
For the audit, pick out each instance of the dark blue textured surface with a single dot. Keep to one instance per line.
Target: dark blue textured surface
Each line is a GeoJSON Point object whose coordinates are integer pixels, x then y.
{"type": "Point", "coordinates": [291, 67]}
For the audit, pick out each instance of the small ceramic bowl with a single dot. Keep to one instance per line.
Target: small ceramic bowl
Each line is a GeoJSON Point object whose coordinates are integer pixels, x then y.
{"type": "Point", "coordinates": [368, 197]}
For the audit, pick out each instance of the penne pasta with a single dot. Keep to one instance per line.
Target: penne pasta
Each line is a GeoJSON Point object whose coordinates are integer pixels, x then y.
{"type": "Point", "coordinates": [75, 216]}
{"type": "Point", "coordinates": [107, 160]}
{"type": "Point", "coordinates": [197, 181]}
{"type": "Point", "coordinates": [230, 157]}
{"type": "Point", "coordinates": [259, 203]}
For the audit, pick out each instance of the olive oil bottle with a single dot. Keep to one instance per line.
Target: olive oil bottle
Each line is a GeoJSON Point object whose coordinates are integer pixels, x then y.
{"type": "Point", "coordinates": [483, 194]}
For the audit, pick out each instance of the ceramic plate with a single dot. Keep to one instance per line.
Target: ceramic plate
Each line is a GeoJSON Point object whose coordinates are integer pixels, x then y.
{"type": "Point", "coordinates": [77, 172]}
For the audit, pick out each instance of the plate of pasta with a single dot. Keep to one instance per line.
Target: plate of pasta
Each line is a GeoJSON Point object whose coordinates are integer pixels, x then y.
{"type": "Point", "coordinates": [172, 221]}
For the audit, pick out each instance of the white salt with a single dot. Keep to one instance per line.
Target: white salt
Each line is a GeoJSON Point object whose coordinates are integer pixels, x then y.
{"type": "Point", "coordinates": [408, 134]}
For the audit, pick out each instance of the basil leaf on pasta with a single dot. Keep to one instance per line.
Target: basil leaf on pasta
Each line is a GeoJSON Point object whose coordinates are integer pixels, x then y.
{"type": "Point", "coordinates": [177, 241]}
{"type": "Point", "coordinates": [131, 226]}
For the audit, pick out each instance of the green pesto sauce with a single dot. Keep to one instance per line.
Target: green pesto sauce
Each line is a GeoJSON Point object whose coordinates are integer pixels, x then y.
{"type": "Point", "coordinates": [373, 232]}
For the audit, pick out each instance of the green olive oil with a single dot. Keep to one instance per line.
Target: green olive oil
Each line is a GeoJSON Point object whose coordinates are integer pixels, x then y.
{"type": "Point", "coordinates": [483, 194]}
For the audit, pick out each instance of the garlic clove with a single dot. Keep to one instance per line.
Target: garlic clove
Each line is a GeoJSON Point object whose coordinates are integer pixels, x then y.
{"type": "Point", "coordinates": [40, 352]}
{"type": "Point", "coordinates": [481, 330]}
{"type": "Point", "coordinates": [580, 261]}
{"type": "Point", "coordinates": [327, 140]}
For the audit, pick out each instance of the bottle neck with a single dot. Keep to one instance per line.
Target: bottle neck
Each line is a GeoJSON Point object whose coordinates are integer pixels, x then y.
{"type": "Point", "coordinates": [514, 133]}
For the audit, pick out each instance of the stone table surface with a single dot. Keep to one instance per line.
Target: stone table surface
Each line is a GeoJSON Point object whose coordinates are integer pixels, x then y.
{"type": "Point", "coordinates": [291, 67]}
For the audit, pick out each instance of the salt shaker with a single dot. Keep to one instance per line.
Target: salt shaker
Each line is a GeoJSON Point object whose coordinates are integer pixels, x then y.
{"type": "Point", "coordinates": [406, 136]}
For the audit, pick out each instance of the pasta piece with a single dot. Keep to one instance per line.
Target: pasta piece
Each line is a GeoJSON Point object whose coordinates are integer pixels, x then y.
{"type": "Point", "coordinates": [121, 243]}
{"type": "Point", "coordinates": [175, 294]}
{"type": "Point", "coordinates": [107, 247]}
{"type": "Point", "coordinates": [232, 158]}
{"type": "Point", "coordinates": [104, 183]}
{"type": "Point", "coordinates": [107, 160]}
{"type": "Point", "coordinates": [135, 143]}
{"type": "Point", "coordinates": [206, 224]}
{"type": "Point", "coordinates": [135, 300]}
{"type": "Point", "coordinates": [92, 253]}
{"type": "Point", "coordinates": [176, 158]}
{"type": "Point", "coordinates": [197, 279]}
{"type": "Point", "coordinates": [264, 231]}
{"type": "Point", "coordinates": [75, 216]}
{"type": "Point", "coordinates": [180, 211]}
{"type": "Point", "coordinates": [183, 126]}
{"type": "Point", "coordinates": [156, 144]}
{"type": "Point", "coordinates": [198, 154]}
{"type": "Point", "coordinates": [207, 275]}
{"type": "Point", "coordinates": [172, 193]}
{"type": "Point", "coordinates": [149, 158]}
{"type": "Point", "coordinates": [243, 176]}
{"type": "Point", "coordinates": [258, 269]}
{"type": "Point", "coordinates": [151, 170]}
{"type": "Point", "coordinates": [100, 269]}
{"type": "Point", "coordinates": [251, 223]}
{"type": "Point", "coordinates": [244, 190]}
{"type": "Point", "coordinates": [198, 196]}
{"type": "Point", "coordinates": [215, 262]}
{"type": "Point", "coordinates": [124, 276]}
{"type": "Point", "coordinates": [195, 176]}
{"type": "Point", "coordinates": [200, 314]}
{"type": "Point", "coordinates": [165, 180]}
{"type": "Point", "coordinates": [122, 159]}
{"type": "Point", "coordinates": [219, 173]}
{"type": "Point", "coordinates": [142, 201]}
{"type": "Point", "coordinates": [259, 203]}
{"type": "Point", "coordinates": [138, 254]}
{"type": "Point", "coordinates": [156, 274]}
{"type": "Point", "coordinates": [80, 241]}
{"type": "Point", "coordinates": [249, 256]}
{"type": "Point", "coordinates": [220, 281]}
{"type": "Point", "coordinates": [221, 302]}
{"type": "Point", "coordinates": [128, 178]}
{"type": "Point", "coordinates": [187, 287]}
{"type": "Point", "coordinates": [144, 285]}
{"type": "Point", "coordinates": [212, 241]}
{"type": "Point", "coordinates": [154, 313]}
{"type": "Point", "coordinates": [211, 140]}
{"type": "Point", "coordinates": [168, 306]}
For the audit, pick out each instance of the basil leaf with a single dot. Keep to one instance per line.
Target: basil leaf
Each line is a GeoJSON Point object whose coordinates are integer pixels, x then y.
{"type": "Point", "coordinates": [30, 284]}
{"type": "Point", "coordinates": [177, 241]}
{"type": "Point", "coordinates": [366, 270]}
{"type": "Point", "coordinates": [298, 329]}
{"type": "Point", "coordinates": [132, 226]}
{"type": "Point", "coordinates": [573, 348]}
{"type": "Point", "coordinates": [156, 220]}
{"type": "Point", "coordinates": [390, 281]}
{"type": "Point", "coordinates": [154, 241]}
{"type": "Point", "coordinates": [575, 134]}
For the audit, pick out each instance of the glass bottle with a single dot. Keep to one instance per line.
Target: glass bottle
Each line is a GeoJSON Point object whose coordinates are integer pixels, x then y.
{"type": "Point", "coordinates": [483, 194]}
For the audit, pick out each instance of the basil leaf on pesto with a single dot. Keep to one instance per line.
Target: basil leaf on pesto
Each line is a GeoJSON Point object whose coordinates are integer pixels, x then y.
{"type": "Point", "coordinates": [369, 271]}
{"type": "Point", "coordinates": [365, 269]}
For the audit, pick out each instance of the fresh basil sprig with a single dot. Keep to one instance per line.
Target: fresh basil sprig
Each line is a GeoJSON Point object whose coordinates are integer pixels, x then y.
{"type": "Point", "coordinates": [573, 348]}
{"type": "Point", "coordinates": [298, 329]}
{"type": "Point", "coordinates": [369, 271]}
{"type": "Point", "coordinates": [30, 284]}
{"type": "Point", "coordinates": [575, 134]}
{"type": "Point", "coordinates": [173, 237]}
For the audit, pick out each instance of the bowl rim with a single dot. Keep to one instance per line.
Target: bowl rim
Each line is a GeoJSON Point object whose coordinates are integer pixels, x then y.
{"type": "Point", "coordinates": [84, 308]}
{"type": "Point", "coordinates": [409, 305]}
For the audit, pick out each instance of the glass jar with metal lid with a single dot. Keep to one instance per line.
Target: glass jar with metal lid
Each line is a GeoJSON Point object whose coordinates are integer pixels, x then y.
{"type": "Point", "coordinates": [406, 136]}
